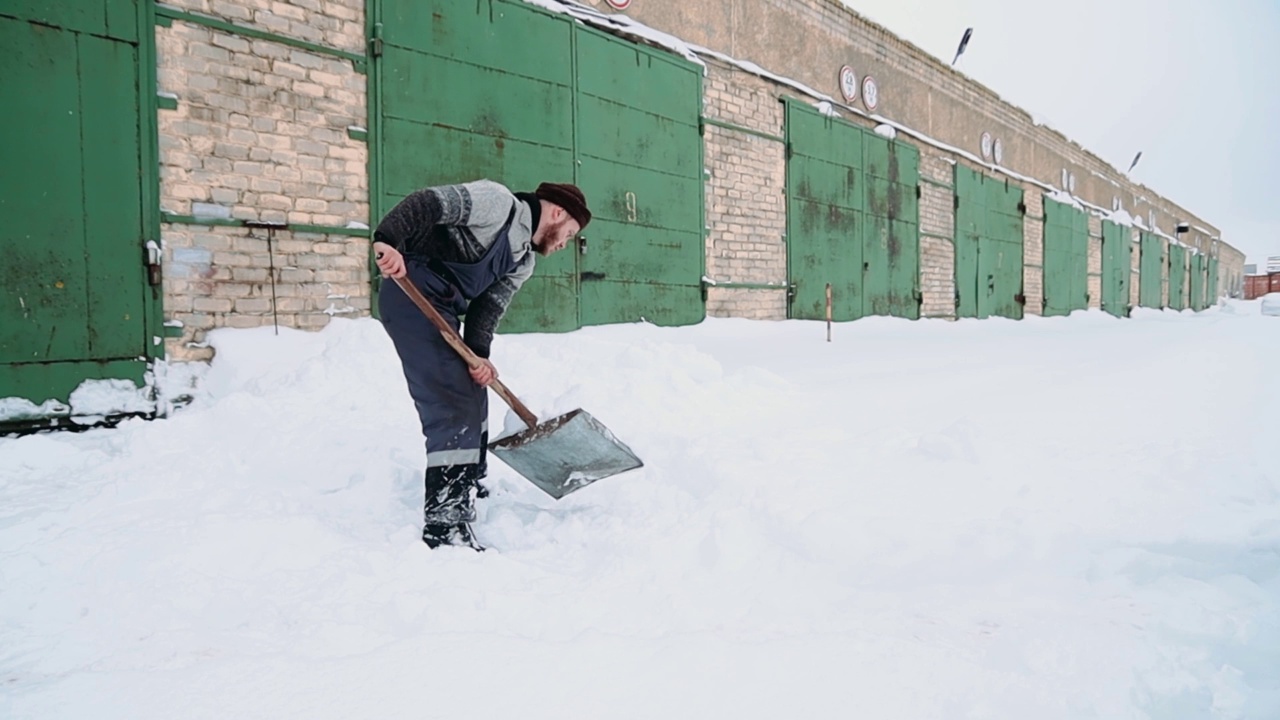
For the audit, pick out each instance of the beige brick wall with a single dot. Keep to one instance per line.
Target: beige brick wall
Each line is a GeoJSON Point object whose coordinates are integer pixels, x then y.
{"type": "Point", "coordinates": [332, 23]}
{"type": "Point", "coordinates": [260, 134]}
{"type": "Point", "coordinates": [1033, 250]}
{"type": "Point", "coordinates": [745, 196]}
{"type": "Point", "coordinates": [937, 233]}
{"type": "Point", "coordinates": [221, 277]}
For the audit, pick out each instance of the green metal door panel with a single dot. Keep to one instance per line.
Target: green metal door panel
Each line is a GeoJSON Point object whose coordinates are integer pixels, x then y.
{"type": "Point", "coordinates": [1066, 259]}
{"type": "Point", "coordinates": [609, 70]}
{"type": "Point", "coordinates": [825, 223]}
{"type": "Point", "coordinates": [446, 95]}
{"type": "Point", "coordinates": [970, 222]}
{"type": "Point", "coordinates": [812, 134]}
{"type": "Point", "coordinates": [1197, 283]}
{"type": "Point", "coordinates": [904, 269]}
{"type": "Point", "coordinates": [1151, 272]}
{"type": "Point", "coordinates": [631, 136]}
{"type": "Point", "coordinates": [1116, 268]}
{"type": "Point", "coordinates": [499, 34]}
{"type": "Point", "coordinates": [547, 302]}
{"type": "Point", "coordinates": [1057, 259]}
{"type": "Point", "coordinates": [608, 301]}
{"type": "Point", "coordinates": [1177, 277]}
{"type": "Point", "coordinates": [86, 16]}
{"type": "Point", "coordinates": [632, 253]}
{"type": "Point", "coordinates": [825, 182]}
{"type": "Point", "coordinates": [988, 237]}
{"type": "Point", "coordinates": [640, 153]}
{"type": "Point", "coordinates": [503, 90]}
{"type": "Point", "coordinates": [642, 197]}
{"type": "Point", "coordinates": [1213, 281]}
{"type": "Point", "coordinates": [877, 277]}
{"type": "Point", "coordinates": [1080, 271]}
{"type": "Point", "coordinates": [44, 312]}
{"type": "Point", "coordinates": [434, 155]}
{"type": "Point", "coordinates": [1008, 222]}
{"type": "Point", "coordinates": [39, 382]}
{"type": "Point", "coordinates": [112, 199]}
{"type": "Point", "coordinates": [825, 247]}
{"type": "Point", "coordinates": [73, 294]}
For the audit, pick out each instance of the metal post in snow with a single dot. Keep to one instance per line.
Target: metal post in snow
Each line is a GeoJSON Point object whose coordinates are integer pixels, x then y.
{"type": "Point", "coordinates": [828, 312]}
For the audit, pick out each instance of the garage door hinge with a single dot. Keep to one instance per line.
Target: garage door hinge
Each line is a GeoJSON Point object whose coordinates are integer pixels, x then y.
{"type": "Point", "coordinates": [1022, 207]}
{"type": "Point", "coordinates": [919, 192]}
{"type": "Point", "coordinates": [375, 43]}
{"type": "Point", "coordinates": [152, 257]}
{"type": "Point", "coordinates": [789, 151]}
{"type": "Point", "coordinates": [1020, 299]}
{"type": "Point", "coordinates": [955, 202]}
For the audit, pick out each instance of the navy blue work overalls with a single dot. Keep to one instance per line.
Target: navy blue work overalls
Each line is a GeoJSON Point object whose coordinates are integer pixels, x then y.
{"type": "Point", "coordinates": [453, 409]}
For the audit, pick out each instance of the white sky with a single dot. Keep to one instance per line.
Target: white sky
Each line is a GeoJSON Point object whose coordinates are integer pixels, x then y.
{"type": "Point", "coordinates": [1198, 92]}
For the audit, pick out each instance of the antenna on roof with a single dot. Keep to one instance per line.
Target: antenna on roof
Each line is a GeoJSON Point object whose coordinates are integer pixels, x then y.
{"type": "Point", "coordinates": [1134, 163]}
{"type": "Point", "coordinates": [964, 42]}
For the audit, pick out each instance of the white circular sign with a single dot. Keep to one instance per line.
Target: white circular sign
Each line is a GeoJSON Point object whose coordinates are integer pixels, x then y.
{"type": "Point", "coordinates": [870, 93]}
{"type": "Point", "coordinates": [848, 83]}
{"type": "Point", "coordinates": [999, 151]}
{"type": "Point", "coordinates": [986, 146]}
{"type": "Point", "coordinates": [1071, 182]}
{"type": "Point", "coordinates": [619, 4]}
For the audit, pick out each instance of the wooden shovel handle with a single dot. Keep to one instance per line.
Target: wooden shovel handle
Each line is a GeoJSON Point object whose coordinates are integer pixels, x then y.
{"type": "Point", "coordinates": [473, 360]}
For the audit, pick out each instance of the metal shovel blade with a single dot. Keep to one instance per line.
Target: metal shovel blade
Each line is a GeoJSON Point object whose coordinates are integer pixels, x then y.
{"type": "Point", "coordinates": [566, 453]}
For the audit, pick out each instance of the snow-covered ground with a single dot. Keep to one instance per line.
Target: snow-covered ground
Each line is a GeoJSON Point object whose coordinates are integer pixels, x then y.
{"type": "Point", "coordinates": [1056, 518]}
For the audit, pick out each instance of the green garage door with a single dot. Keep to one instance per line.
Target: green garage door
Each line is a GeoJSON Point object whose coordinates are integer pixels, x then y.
{"type": "Point", "coordinates": [75, 292]}
{"type": "Point", "coordinates": [1066, 259]}
{"type": "Point", "coordinates": [1117, 267]}
{"type": "Point", "coordinates": [852, 219]}
{"type": "Point", "coordinates": [989, 246]}
{"type": "Point", "coordinates": [1177, 277]}
{"type": "Point", "coordinates": [1212, 281]}
{"type": "Point", "coordinates": [506, 91]}
{"type": "Point", "coordinates": [640, 157]}
{"type": "Point", "coordinates": [1197, 282]}
{"type": "Point", "coordinates": [1151, 272]}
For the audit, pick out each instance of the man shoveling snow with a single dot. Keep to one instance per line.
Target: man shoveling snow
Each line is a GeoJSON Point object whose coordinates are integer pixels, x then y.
{"type": "Point", "coordinates": [467, 248]}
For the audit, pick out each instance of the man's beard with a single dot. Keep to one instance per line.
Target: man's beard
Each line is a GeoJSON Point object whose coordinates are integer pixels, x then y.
{"type": "Point", "coordinates": [549, 235]}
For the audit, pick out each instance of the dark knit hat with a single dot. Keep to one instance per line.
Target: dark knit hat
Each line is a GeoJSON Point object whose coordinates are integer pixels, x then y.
{"type": "Point", "coordinates": [567, 196]}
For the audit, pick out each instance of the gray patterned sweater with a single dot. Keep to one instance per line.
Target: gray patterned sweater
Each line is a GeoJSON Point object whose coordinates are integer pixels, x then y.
{"type": "Point", "coordinates": [458, 223]}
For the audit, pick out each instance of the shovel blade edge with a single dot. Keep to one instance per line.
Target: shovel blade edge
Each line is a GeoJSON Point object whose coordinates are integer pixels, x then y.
{"type": "Point", "coordinates": [566, 454]}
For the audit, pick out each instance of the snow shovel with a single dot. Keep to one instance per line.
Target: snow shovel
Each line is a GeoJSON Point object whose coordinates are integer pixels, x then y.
{"type": "Point", "coordinates": [561, 455]}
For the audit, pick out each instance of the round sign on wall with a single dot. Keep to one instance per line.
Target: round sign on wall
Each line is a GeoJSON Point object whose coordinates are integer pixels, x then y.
{"type": "Point", "coordinates": [870, 93]}
{"type": "Point", "coordinates": [619, 4]}
{"type": "Point", "coordinates": [999, 151]}
{"type": "Point", "coordinates": [986, 146]}
{"type": "Point", "coordinates": [848, 83]}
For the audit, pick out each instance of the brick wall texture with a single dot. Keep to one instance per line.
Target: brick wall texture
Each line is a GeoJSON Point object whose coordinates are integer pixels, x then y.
{"type": "Point", "coordinates": [745, 195]}
{"type": "Point", "coordinates": [937, 233]}
{"type": "Point", "coordinates": [1033, 250]}
{"type": "Point", "coordinates": [261, 134]}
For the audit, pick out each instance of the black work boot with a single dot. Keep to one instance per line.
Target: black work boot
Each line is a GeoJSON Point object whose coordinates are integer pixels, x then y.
{"type": "Point", "coordinates": [450, 505]}
{"type": "Point", "coordinates": [459, 535]}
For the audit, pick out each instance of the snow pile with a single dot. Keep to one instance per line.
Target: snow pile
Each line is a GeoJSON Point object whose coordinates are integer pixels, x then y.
{"type": "Point", "coordinates": [1000, 519]}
